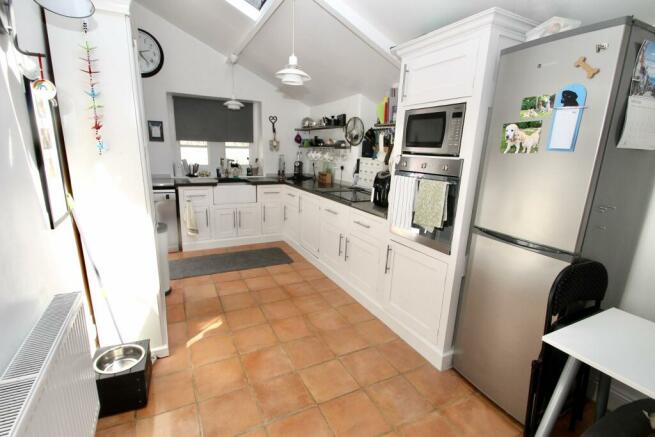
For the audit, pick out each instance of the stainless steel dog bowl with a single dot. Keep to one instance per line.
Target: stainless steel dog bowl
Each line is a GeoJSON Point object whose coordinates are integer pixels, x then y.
{"type": "Point", "coordinates": [118, 359]}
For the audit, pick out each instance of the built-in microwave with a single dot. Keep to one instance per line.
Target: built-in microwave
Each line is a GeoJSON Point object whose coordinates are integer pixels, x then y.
{"type": "Point", "coordinates": [434, 131]}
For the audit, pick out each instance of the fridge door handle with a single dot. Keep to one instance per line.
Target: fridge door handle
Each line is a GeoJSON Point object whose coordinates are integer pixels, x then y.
{"type": "Point", "coordinates": [528, 245]}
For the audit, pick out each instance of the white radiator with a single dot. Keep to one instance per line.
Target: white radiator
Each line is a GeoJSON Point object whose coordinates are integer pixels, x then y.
{"type": "Point", "coordinates": [49, 387]}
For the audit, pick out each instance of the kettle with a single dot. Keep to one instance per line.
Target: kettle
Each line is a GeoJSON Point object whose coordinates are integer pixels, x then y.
{"type": "Point", "coordinates": [381, 187]}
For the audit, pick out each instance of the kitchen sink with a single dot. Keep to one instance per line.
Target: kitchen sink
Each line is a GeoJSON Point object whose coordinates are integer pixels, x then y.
{"type": "Point", "coordinates": [202, 180]}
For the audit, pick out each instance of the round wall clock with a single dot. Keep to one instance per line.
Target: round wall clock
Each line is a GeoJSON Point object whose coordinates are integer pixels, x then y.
{"type": "Point", "coordinates": [151, 55]}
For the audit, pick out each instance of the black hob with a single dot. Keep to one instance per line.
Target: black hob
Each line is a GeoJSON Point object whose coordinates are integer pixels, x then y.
{"type": "Point", "coordinates": [352, 196]}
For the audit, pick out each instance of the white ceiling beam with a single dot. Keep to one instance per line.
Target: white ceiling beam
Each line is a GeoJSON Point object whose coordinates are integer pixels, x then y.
{"type": "Point", "coordinates": [266, 13]}
{"type": "Point", "coordinates": [361, 28]}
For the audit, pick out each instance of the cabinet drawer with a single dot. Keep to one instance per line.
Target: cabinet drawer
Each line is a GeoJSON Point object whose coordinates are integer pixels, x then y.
{"type": "Point", "coordinates": [197, 197]}
{"type": "Point", "coordinates": [270, 192]}
{"type": "Point", "coordinates": [367, 225]}
{"type": "Point", "coordinates": [291, 197]}
{"type": "Point", "coordinates": [334, 213]}
{"type": "Point", "coordinates": [229, 194]}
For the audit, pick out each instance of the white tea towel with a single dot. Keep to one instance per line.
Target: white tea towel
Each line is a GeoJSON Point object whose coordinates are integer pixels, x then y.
{"type": "Point", "coordinates": [190, 219]}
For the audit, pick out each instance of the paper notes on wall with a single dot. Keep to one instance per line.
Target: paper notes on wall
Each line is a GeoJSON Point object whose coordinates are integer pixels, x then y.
{"type": "Point", "coordinates": [639, 127]}
{"type": "Point", "coordinates": [569, 106]}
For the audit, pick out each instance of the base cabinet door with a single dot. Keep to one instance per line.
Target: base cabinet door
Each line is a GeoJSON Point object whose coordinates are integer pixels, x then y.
{"type": "Point", "coordinates": [310, 219]}
{"type": "Point", "coordinates": [333, 240]}
{"type": "Point", "coordinates": [202, 221]}
{"type": "Point", "coordinates": [248, 220]}
{"type": "Point", "coordinates": [363, 265]}
{"type": "Point", "coordinates": [291, 219]}
{"type": "Point", "coordinates": [415, 289]}
{"type": "Point", "coordinates": [225, 223]}
{"type": "Point", "coordinates": [272, 218]}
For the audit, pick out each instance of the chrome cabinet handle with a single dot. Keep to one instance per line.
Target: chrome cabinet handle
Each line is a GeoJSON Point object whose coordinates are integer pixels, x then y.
{"type": "Point", "coordinates": [264, 213]}
{"type": "Point", "coordinates": [345, 252]}
{"type": "Point", "coordinates": [234, 219]}
{"type": "Point", "coordinates": [285, 213]}
{"type": "Point", "coordinates": [239, 212]}
{"type": "Point", "coordinates": [300, 205]}
{"type": "Point", "coordinates": [196, 195]}
{"type": "Point", "coordinates": [340, 240]}
{"type": "Point", "coordinates": [386, 262]}
{"type": "Point", "coordinates": [404, 93]}
{"type": "Point", "coordinates": [271, 192]}
{"type": "Point", "coordinates": [291, 195]}
{"type": "Point", "coordinates": [331, 212]}
{"type": "Point", "coordinates": [207, 217]}
{"type": "Point", "coordinates": [363, 225]}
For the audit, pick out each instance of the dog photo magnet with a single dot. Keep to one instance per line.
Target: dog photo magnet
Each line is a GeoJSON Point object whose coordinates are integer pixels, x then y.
{"type": "Point", "coordinates": [569, 104]}
{"type": "Point", "coordinates": [521, 137]}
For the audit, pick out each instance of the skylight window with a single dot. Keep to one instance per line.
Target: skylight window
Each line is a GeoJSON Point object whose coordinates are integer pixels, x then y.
{"type": "Point", "coordinates": [250, 8]}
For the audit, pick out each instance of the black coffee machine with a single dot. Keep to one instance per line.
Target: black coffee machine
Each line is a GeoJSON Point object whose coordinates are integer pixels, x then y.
{"type": "Point", "coordinates": [381, 187]}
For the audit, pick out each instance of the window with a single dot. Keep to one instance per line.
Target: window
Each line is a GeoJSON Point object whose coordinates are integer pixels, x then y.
{"type": "Point", "coordinates": [195, 152]}
{"type": "Point", "coordinates": [239, 152]}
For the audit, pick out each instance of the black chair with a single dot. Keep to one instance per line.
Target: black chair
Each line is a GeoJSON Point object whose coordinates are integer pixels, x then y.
{"type": "Point", "coordinates": [626, 421]}
{"type": "Point", "coordinates": [576, 293]}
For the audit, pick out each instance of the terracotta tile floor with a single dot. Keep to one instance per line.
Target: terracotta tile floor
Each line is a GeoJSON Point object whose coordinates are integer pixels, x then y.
{"type": "Point", "coordinates": [283, 351]}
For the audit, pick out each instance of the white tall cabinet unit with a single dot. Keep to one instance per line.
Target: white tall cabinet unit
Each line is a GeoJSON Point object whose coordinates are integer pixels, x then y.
{"type": "Point", "coordinates": [454, 64]}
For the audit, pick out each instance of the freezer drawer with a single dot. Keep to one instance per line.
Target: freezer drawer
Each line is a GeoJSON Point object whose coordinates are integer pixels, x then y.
{"type": "Point", "coordinates": [501, 319]}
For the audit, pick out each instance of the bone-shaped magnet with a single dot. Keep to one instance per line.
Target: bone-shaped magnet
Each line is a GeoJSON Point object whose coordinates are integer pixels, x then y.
{"type": "Point", "coordinates": [591, 71]}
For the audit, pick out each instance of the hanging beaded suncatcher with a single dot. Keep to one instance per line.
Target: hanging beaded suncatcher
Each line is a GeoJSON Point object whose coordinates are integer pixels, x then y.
{"type": "Point", "coordinates": [93, 93]}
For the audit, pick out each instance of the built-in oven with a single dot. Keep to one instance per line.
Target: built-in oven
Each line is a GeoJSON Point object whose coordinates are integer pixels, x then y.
{"type": "Point", "coordinates": [434, 131]}
{"type": "Point", "coordinates": [424, 200]}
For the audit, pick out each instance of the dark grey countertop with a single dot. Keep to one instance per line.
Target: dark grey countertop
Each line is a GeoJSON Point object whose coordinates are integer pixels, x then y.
{"type": "Point", "coordinates": [309, 186]}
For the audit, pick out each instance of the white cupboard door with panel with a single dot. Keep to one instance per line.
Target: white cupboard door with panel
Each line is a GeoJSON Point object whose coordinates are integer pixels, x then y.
{"type": "Point", "coordinates": [225, 223]}
{"type": "Point", "coordinates": [310, 219]}
{"type": "Point", "coordinates": [272, 218]}
{"type": "Point", "coordinates": [363, 265]}
{"type": "Point", "coordinates": [202, 220]}
{"type": "Point", "coordinates": [415, 289]}
{"type": "Point", "coordinates": [291, 219]}
{"type": "Point", "coordinates": [446, 73]}
{"type": "Point", "coordinates": [333, 240]}
{"type": "Point", "coordinates": [248, 220]}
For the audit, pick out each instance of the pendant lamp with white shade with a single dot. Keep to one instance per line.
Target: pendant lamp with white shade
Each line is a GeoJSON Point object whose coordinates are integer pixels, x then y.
{"type": "Point", "coordinates": [292, 74]}
{"type": "Point", "coordinates": [68, 8]}
{"type": "Point", "coordinates": [233, 104]}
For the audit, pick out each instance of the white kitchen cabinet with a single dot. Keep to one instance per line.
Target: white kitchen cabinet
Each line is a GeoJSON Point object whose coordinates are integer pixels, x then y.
{"type": "Point", "coordinates": [332, 244]}
{"type": "Point", "coordinates": [248, 221]}
{"type": "Point", "coordinates": [225, 223]}
{"type": "Point", "coordinates": [414, 289]}
{"type": "Point", "coordinates": [442, 74]}
{"type": "Point", "coordinates": [199, 199]}
{"type": "Point", "coordinates": [310, 224]}
{"type": "Point", "coordinates": [291, 220]}
{"type": "Point", "coordinates": [272, 217]}
{"type": "Point", "coordinates": [363, 270]}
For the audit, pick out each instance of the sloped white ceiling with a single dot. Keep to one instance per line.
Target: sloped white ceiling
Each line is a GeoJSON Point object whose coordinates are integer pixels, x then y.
{"type": "Point", "coordinates": [403, 20]}
{"type": "Point", "coordinates": [340, 63]}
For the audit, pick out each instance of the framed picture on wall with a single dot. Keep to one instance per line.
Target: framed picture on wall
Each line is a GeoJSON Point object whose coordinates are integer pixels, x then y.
{"type": "Point", "coordinates": [155, 130]}
{"type": "Point", "coordinates": [45, 132]}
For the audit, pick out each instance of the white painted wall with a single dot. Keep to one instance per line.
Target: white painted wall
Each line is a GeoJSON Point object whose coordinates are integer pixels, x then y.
{"type": "Point", "coordinates": [35, 261]}
{"type": "Point", "coordinates": [112, 190]}
{"type": "Point", "coordinates": [639, 295]}
{"type": "Point", "coordinates": [192, 67]}
{"type": "Point", "coordinates": [356, 105]}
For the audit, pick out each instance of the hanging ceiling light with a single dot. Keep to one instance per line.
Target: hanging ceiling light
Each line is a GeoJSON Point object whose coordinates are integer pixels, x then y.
{"type": "Point", "coordinates": [292, 74]}
{"type": "Point", "coordinates": [233, 104]}
{"type": "Point", "coordinates": [68, 8]}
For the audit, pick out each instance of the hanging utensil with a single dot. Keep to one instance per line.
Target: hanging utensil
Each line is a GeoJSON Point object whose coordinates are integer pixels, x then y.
{"type": "Point", "coordinates": [274, 143]}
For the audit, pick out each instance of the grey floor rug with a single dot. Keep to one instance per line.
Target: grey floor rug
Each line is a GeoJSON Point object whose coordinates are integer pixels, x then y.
{"type": "Point", "coordinates": [227, 262]}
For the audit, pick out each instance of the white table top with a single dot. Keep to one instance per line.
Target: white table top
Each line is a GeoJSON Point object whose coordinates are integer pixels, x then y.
{"type": "Point", "coordinates": [617, 343]}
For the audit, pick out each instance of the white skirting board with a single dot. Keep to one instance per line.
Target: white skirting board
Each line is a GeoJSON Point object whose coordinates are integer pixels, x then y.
{"type": "Point", "coordinates": [441, 361]}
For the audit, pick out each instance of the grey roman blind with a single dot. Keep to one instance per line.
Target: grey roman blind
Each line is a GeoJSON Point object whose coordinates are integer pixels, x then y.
{"type": "Point", "coordinates": [198, 119]}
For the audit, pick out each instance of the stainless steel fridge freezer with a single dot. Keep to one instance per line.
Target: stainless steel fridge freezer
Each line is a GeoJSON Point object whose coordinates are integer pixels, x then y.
{"type": "Point", "coordinates": [533, 211]}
